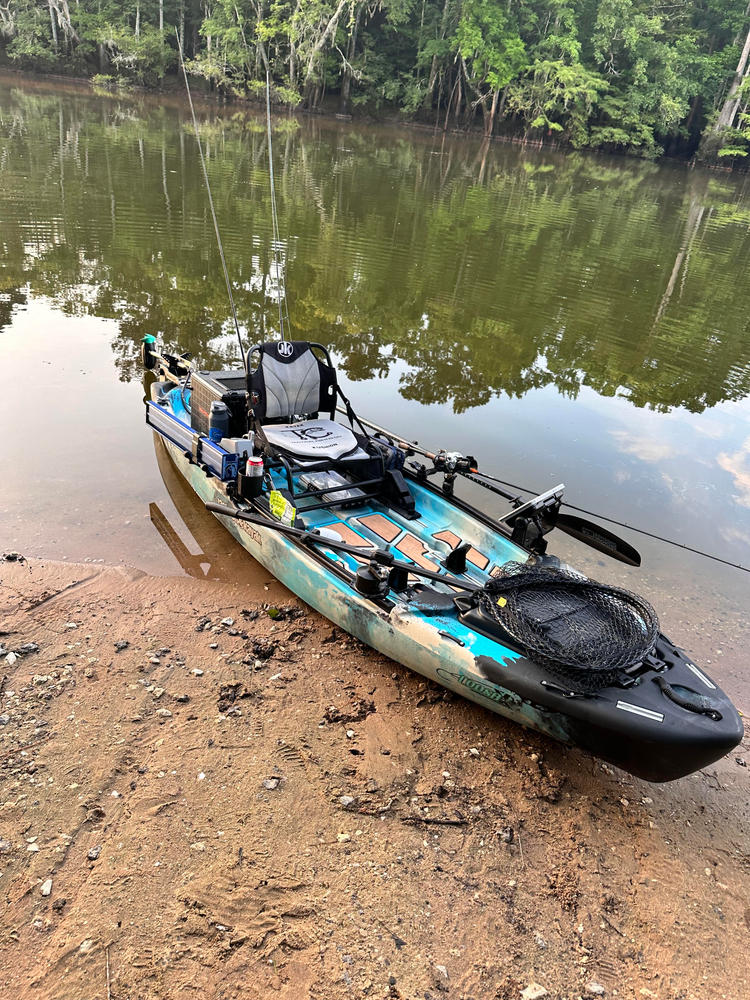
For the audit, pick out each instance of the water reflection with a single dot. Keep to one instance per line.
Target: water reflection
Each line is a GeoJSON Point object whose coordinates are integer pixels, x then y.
{"type": "Point", "coordinates": [485, 272]}
{"type": "Point", "coordinates": [562, 316]}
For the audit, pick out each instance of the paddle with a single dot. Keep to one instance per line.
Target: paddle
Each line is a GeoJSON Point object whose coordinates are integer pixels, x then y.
{"type": "Point", "coordinates": [598, 538]}
{"type": "Point", "coordinates": [381, 556]}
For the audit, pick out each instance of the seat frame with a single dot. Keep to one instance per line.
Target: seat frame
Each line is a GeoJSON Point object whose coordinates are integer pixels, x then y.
{"type": "Point", "coordinates": [385, 484]}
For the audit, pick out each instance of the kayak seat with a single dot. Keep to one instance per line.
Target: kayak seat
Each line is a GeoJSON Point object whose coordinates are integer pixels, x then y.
{"type": "Point", "coordinates": [292, 384]}
{"type": "Point", "coordinates": [292, 393]}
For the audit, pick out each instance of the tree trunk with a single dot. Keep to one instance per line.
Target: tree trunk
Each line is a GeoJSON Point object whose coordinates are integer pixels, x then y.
{"type": "Point", "coordinates": [490, 123]}
{"type": "Point", "coordinates": [732, 102]}
{"type": "Point", "coordinates": [54, 25]}
{"type": "Point", "coordinates": [346, 81]}
{"type": "Point", "coordinates": [137, 20]}
{"type": "Point", "coordinates": [330, 29]}
{"type": "Point", "coordinates": [434, 66]}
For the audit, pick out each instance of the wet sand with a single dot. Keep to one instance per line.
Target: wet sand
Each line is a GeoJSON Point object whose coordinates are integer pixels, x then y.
{"type": "Point", "coordinates": [267, 808]}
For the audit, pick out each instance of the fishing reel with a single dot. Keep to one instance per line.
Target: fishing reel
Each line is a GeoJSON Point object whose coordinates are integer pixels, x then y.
{"type": "Point", "coordinates": [451, 464]}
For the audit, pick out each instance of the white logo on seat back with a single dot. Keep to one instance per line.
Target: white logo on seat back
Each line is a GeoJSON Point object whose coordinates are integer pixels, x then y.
{"type": "Point", "coordinates": [285, 349]}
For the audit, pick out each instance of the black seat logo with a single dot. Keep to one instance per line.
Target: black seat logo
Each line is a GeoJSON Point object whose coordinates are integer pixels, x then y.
{"type": "Point", "coordinates": [310, 433]}
{"type": "Point", "coordinates": [285, 349]}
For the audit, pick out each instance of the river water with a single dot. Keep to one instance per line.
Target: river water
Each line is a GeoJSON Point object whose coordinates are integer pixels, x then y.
{"type": "Point", "coordinates": [563, 317]}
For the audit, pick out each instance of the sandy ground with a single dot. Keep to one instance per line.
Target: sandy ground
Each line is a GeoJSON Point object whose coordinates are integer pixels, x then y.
{"type": "Point", "coordinates": [233, 804]}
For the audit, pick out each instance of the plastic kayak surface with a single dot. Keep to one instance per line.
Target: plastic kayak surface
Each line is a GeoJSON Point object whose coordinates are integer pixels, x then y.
{"type": "Point", "coordinates": [639, 726]}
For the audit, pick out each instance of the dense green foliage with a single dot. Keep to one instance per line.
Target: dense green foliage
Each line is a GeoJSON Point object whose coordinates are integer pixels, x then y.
{"type": "Point", "coordinates": [631, 75]}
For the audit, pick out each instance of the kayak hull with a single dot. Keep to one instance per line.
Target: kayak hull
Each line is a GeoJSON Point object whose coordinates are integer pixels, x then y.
{"type": "Point", "coordinates": [636, 728]}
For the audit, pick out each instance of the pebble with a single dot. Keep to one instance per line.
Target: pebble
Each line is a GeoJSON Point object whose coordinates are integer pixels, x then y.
{"type": "Point", "coordinates": [5, 846]}
{"type": "Point", "coordinates": [271, 783]}
{"type": "Point", "coordinates": [86, 946]}
{"type": "Point", "coordinates": [213, 645]}
{"type": "Point", "coordinates": [46, 887]}
{"type": "Point", "coordinates": [93, 852]}
{"type": "Point", "coordinates": [28, 647]}
{"type": "Point", "coordinates": [473, 751]}
{"type": "Point", "coordinates": [121, 644]}
{"type": "Point", "coordinates": [595, 989]}
{"type": "Point", "coordinates": [343, 838]}
{"type": "Point", "coordinates": [534, 992]}
{"type": "Point", "coordinates": [347, 801]}
{"type": "Point", "coordinates": [196, 672]}
{"type": "Point", "coordinates": [228, 622]}
{"type": "Point", "coordinates": [32, 848]}
{"type": "Point", "coordinates": [154, 659]}
{"type": "Point", "coordinates": [740, 761]}
{"type": "Point", "coordinates": [70, 625]}
{"type": "Point", "coordinates": [199, 845]}
{"type": "Point", "coordinates": [350, 734]}
{"type": "Point", "coordinates": [4, 719]}
{"type": "Point", "coordinates": [164, 713]}
{"type": "Point", "coordinates": [10, 659]}
{"type": "Point", "coordinates": [540, 940]}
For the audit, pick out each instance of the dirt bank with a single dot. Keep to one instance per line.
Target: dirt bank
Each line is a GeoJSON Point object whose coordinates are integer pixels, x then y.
{"type": "Point", "coordinates": [199, 799]}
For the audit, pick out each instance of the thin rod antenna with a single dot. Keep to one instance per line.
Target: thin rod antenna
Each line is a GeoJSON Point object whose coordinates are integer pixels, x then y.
{"type": "Point", "coordinates": [276, 237]}
{"type": "Point", "coordinates": [211, 203]}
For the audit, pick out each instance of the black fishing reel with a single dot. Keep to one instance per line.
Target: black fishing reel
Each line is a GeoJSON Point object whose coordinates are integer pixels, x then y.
{"type": "Point", "coordinates": [451, 464]}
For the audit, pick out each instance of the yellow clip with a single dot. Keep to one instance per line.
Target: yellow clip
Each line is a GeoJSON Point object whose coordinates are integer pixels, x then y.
{"type": "Point", "coordinates": [501, 602]}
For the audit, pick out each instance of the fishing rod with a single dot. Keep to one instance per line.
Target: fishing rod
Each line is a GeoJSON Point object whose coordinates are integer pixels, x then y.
{"type": "Point", "coordinates": [275, 234]}
{"type": "Point", "coordinates": [473, 474]}
{"type": "Point", "coordinates": [211, 203]}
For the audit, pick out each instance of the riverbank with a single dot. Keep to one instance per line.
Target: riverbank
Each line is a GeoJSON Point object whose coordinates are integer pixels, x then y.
{"type": "Point", "coordinates": [205, 787]}
{"type": "Point", "coordinates": [171, 92]}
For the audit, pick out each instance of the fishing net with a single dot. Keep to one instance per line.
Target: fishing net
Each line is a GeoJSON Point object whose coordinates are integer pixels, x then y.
{"type": "Point", "coordinates": [582, 631]}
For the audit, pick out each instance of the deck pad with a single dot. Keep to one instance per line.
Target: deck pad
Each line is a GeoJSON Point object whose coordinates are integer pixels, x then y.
{"type": "Point", "coordinates": [381, 526]}
{"type": "Point", "coordinates": [415, 549]}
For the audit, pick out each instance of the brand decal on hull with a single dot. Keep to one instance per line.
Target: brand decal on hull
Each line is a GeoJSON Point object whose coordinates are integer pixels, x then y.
{"type": "Point", "coordinates": [254, 535]}
{"type": "Point", "coordinates": [489, 691]}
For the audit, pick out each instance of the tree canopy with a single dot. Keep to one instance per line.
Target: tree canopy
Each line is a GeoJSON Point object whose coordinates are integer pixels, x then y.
{"type": "Point", "coordinates": [636, 76]}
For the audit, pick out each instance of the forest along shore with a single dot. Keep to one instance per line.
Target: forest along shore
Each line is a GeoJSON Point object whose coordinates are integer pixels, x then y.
{"type": "Point", "coordinates": [207, 787]}
{"type": "Point", "coordinates": [605, 76]}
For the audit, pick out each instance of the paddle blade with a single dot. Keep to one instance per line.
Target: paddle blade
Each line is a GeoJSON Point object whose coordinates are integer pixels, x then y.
{"type": "Point", "coordinates": [598, 538]}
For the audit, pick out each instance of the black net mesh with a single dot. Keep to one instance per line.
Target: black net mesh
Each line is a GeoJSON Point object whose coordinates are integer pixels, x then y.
{"type": "Point", "coordinates": [582, 631]}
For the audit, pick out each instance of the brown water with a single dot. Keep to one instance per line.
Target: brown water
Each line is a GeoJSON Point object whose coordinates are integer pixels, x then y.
{"type": "Point", "coordinates": [562, 317]}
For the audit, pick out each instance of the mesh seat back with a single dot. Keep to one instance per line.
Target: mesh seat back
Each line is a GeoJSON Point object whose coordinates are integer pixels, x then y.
{"type": "Point", "coordinates": [290, 381]}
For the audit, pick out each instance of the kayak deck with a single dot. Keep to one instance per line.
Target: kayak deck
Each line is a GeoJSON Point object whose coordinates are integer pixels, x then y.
{"type": "Point", "coordinates": [632, 724]}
